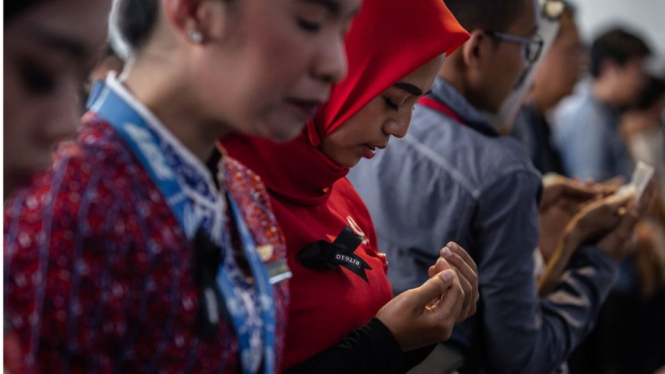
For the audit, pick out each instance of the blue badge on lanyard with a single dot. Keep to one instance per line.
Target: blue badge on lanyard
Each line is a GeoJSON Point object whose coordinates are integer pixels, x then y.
{"type": "Point", "coordinates": [144, 144]}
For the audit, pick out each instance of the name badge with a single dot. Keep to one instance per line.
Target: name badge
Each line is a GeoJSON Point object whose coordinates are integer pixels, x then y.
{"type": "Point", "coordinates": [277, 268]}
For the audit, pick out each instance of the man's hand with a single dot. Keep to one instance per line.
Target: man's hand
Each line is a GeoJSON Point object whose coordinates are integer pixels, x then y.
{"type": "Point", "coordinates": [618, 243]}
{"type": "Point", "coordinates": [569, 192]}
{"type": "Point", "coordinates": [562, 199]}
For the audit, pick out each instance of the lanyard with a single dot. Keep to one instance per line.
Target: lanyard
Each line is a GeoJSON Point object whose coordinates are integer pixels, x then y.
{"type": "Point", "coordinates": [442, 108]}
{"type": "Point", "coordinates": [433, 104]}
{"type": "Point", "coordinates": [144, 143]}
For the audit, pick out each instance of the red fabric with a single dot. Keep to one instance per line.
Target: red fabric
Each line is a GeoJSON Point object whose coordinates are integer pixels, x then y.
{"type": "Point", "coordinates": [433, 104]}
{"type": "Point", "coordinates": [388, 40]}
{"type": "Point", "coordinates": [99, 272]}
{"type": "Point", "coordinates": [313, 201]}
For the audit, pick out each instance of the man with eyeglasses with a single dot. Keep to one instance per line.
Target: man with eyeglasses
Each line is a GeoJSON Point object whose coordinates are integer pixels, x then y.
{"type": "Point", "coordinates": [454, 177]}
{"type": "Point", "coordinates": [555, 79]}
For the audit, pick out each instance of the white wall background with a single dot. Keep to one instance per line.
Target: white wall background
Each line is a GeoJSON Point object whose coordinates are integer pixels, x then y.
{"type": "Point", "coordinates": [644, 16]}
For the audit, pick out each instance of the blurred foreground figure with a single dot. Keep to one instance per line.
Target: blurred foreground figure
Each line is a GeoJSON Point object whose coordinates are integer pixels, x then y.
{"type": "Point", "coordinates": [48, 47]}
{"type": "Point", "coordinates": [129, 255]}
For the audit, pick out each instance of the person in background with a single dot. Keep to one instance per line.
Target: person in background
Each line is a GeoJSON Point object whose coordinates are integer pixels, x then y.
{"type": "Point", "coordinates": [342, 318]}
{"type": "Point", "coordinates": [556, 78]}
{"type": "Point", "coordinates": [642, 127]}
{"type": "Point", "coordinates": [454, 177]}
{"type": "Point", "coordinates": [587, 130]}
{"type": "Point", "coordinates": [128, 255]}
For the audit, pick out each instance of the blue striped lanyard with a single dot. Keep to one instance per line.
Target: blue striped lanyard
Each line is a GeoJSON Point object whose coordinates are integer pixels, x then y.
{"type": "Point", "coordinates": [144, 144]}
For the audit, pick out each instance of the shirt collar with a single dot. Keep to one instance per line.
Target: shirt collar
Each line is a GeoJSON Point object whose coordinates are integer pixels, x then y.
{"type": "Point", "coordinates": [445, 93]}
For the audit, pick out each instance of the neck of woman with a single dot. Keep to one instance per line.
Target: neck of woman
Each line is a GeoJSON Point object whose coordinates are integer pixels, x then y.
{"type": "Point", "coordinates": [171, 99]}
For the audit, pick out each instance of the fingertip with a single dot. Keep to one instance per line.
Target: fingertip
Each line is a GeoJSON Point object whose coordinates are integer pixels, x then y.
{"type": "Point", "coordinates": [447, 275]}
{"type": "Point", "coordinates": [446, 253]}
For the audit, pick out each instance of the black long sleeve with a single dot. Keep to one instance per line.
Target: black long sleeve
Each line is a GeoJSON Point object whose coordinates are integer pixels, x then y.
{"type": "Point", "coordinates": [369, 349]}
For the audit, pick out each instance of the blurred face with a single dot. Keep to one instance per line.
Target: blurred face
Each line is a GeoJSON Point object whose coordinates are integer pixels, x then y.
{"type": "Point", "coordinates": [269, 73]}
{"type": "Point", "coordinates": [48, 50]}
{"type": "Point", "coordinates": [389, 114]}
{"type": "Point", "coordinates": [562, 66]}
{"type": "Point", "coordinates": [505, 62]}
{"type": "Point", "coordinates": [628, 80]}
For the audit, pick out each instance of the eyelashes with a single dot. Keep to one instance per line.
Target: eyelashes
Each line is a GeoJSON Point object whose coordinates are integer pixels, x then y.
{"type": "Point", "coordinates": [394, 107]}
{"type": "Point", "coordinates": [308, 26]}
{"type": "Point", "coordinates": [390, 105]}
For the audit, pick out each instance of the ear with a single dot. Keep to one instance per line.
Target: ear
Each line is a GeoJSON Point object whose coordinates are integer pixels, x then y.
{"type": "Point", "coordinates": [180, 14]}
{"type": "Point", "coordinates": [476, 50]}
{"type": "Point", "coordinates": [213, 18]}
{"type": "Point", "coordinates": [192, 17]}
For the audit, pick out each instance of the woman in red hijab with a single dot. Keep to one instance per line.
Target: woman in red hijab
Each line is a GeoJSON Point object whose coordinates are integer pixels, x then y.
{"type": "Point", "coordinates": [395, 49]}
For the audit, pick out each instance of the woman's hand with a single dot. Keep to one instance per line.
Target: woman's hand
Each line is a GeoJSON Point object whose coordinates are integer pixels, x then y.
{"type": "Point", "coordinates": [455, 257]}
{"type": "Point", "coordinates": [425, 315]}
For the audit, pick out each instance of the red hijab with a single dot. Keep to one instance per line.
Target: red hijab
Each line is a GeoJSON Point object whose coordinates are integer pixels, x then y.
{"type": "Point", "coordinates": [389, 39]}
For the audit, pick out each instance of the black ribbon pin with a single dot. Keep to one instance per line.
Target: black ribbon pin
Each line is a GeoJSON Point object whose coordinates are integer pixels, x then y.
{"type": "Point", "coordinates": [207, 259]}
{"type": "Point", "coordinates": [323, 255]}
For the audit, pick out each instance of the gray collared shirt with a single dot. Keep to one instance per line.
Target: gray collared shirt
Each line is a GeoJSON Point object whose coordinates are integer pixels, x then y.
{"type": "Point", "coordinates": [448, 182]}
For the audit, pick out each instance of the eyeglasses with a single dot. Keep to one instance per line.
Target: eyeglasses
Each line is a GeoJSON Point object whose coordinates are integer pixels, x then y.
{"type": "Point", "coordinates": [532, 47]}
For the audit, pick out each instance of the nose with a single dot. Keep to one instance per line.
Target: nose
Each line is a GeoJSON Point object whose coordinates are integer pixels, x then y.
{"type": "Point", "coordinates": [399, 127]}
{"type": "Point", "coordinates": [331, 66]}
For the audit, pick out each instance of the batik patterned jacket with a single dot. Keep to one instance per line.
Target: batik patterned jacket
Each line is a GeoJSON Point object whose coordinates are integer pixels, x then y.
{"type": "Point", "coordinates": [98, 272]}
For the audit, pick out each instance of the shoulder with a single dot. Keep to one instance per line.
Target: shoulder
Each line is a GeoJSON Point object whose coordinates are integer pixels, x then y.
{"type": "Point", "coordinates": [465, 156]}
{"type": "Point", "coordinates": [88, 179]}
{"type": "Point", "coordinates": [579, 113]}
{"type": "Point", "coordinates": [244, 184]}
{"type": "Point", "coordinates": [345, 201]}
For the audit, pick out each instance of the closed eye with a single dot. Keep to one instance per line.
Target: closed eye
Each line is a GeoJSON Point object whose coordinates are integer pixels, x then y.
{"type": "Point", "coordinates": [391, 105]}
{"type": "Point", "coordinates": [308, 26]}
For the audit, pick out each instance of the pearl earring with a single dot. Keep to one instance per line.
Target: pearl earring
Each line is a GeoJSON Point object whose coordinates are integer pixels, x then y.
{"type": "Point", "coordinates": [195, 36]}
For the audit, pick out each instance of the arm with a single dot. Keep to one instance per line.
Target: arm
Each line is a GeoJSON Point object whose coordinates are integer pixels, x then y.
{"type": "Point", "coordinates": [541, 332]}
{"type": "Point", "coordinates": [369, 349]}
{"type": "Point", "coordinates": [411, 322]}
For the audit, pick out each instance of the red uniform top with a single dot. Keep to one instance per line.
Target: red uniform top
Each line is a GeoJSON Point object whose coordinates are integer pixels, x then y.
{"type": "Point", "coordinates": [328, 304]}
{"type": "Point", "coordinates": [98, 272]}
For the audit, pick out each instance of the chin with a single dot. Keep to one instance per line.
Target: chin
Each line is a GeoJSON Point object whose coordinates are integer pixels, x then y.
{"type": "Point", "coordinates": [348, 164]}
{"type": "Point", "coordinates": [282, 130]}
